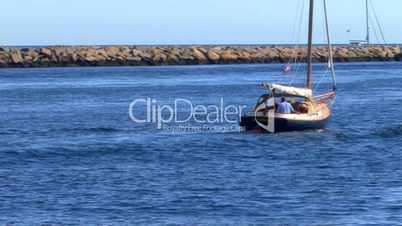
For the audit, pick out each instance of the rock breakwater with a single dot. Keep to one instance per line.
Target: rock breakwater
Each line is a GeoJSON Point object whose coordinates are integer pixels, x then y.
{"type": "Point", "coordinates": [65, 56]}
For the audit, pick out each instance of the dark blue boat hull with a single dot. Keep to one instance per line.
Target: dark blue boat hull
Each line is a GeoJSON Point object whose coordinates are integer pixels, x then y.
{"type": "Point", "coordinates": [281, 125]}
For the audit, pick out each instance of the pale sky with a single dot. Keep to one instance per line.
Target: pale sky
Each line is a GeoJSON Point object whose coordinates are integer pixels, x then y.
{"type": "Point", "coordinates": [89, 22]}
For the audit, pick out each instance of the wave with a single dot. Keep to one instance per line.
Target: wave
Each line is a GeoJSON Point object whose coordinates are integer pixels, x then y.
{"type": "Point", "coordinates": [76, 129]}
{"type": "Point", "coordinates": [389, 132]}
{"type": "Point", "coordinates": [94, 129]}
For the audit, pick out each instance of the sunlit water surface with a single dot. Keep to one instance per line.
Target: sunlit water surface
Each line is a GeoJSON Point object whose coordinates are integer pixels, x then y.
{"type": "Point", "coordinates": [69, 153]}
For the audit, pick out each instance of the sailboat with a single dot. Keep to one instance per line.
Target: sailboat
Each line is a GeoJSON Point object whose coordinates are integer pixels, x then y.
{"type": "Point", "coordinates": [367, 40]}
{"type": "Point", "coordinates": [313, 111]}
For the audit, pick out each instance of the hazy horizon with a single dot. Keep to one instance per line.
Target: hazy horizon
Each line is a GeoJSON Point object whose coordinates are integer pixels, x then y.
{"type": "Point", "coordinates": [186, 22]}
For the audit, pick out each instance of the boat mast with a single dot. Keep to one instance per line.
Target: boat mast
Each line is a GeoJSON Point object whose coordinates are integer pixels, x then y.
{"type": "Point", "coordinates": [367, 23]}
{"type": "Point", "coordinates": [310, 46]}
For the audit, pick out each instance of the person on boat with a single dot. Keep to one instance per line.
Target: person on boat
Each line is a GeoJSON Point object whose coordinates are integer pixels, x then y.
{"type": "Point", "coordinates": [284, 107]}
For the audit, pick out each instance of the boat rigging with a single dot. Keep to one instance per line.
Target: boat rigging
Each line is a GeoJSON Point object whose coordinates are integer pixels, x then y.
{"type": "Point", "coordinates": [307, 111]}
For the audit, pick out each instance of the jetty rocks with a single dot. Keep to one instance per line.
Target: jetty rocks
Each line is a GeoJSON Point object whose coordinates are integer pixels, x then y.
{"type": "Point", "coordinates": [70, 56]}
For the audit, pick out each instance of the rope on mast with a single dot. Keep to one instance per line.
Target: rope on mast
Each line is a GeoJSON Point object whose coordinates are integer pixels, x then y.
{"type": "Point", "coordinates": [330, 60]}
{"type": "Point", "coordinates": [297, 39]}
{"type": "Point", "coordinates": [378, 22]}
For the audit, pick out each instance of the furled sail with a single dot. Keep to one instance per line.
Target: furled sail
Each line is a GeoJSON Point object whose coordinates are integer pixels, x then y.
{"type": "Point", "coordinates": [282, 90]}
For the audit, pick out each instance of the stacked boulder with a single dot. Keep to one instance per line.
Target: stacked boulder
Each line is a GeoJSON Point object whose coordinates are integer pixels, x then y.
{"type": "Point", "coordinates": [63, 56]}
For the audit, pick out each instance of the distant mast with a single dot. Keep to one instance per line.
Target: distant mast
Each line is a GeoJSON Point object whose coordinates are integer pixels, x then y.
{"type": "Point", "coordinates": [367, 23]}
{"type": "Point", "coordinates": [310, 46]}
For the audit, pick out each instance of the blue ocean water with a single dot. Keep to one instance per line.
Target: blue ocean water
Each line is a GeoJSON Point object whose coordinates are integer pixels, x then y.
{"type": "Point", "coordinates": [69, 153]}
